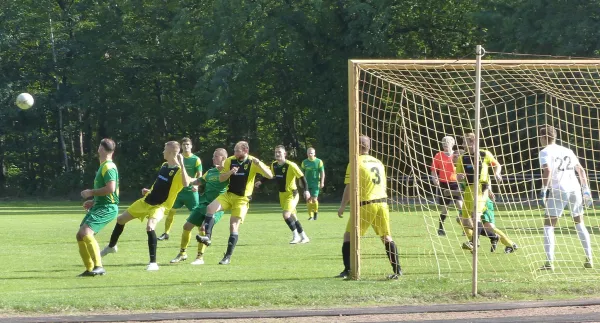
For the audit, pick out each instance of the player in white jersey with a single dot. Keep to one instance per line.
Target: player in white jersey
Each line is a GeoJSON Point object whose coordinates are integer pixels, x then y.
{"type": "Point", "coordinates": [560, 188]}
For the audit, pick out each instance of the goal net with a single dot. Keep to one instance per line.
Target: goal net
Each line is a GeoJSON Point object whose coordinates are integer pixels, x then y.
{"type": "Point", "coordinates": [408, 107]}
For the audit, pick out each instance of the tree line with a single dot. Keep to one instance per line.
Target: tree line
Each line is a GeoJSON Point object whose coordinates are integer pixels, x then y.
{"type": "Point", "coordinates": [267, 71]}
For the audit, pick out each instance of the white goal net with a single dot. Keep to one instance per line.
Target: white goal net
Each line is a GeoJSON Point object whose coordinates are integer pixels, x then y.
{"type": "Point", "coordinates": [408, 107]}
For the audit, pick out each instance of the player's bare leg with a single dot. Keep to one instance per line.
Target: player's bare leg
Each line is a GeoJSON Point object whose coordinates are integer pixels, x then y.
{"type": "Point", "coordinates": [116, 233]}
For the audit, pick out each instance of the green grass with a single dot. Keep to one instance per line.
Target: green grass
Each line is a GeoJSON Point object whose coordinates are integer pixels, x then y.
{"type": "Point", "coordinates": [39, 261]}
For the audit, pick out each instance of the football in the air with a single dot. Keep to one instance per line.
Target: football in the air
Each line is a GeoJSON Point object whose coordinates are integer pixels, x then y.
{"type": "Point", "coordinates": [24, 101]}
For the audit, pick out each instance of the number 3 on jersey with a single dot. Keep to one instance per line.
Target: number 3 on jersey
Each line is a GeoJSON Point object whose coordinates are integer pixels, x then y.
{"type": "Point", "coordinates": [376, 177]}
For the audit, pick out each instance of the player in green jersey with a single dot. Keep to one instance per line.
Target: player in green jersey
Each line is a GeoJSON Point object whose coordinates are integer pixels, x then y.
{"type": "Point", "coordinates": [188, 195]}
{"type": "Point", "coordinates": [314, 172]}
{"type": "Point", "coordinates": [213, 187]}
{"type": "Point", "coordinates": [100, 211]}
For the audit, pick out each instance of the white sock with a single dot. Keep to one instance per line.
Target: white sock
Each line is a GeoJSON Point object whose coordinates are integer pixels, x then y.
{"type": "Point", "coordinates": [549, 242]}
{"type": "Point", "coordinates": [303, 234]}
{"type": "Point", "coordinates": [584, 237]}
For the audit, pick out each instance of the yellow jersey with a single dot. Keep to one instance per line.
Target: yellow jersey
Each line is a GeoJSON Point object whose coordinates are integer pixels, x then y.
{"type": "Point", "coordinates": [285, 175]}
{"type": "Point", "coordinates": [466, 165]}
{"type": "Point", "coordinates": [372, 179]}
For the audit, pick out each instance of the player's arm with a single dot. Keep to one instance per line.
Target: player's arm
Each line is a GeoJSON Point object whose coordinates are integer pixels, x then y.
{"type": "Point", "coordinates": [345, 201]}
{"type": "Point", "coordinates": [185, 179]}
{"type": "Point", "coordinates": [227, 171]}
{"type": "Point", "coordinates": [546, 176]}
{"type": "Point", "coordinates": [585, 188]}
{"type": "Point", "coordinates": [497, 167]}
{"type": "Point", "coordinates": [109, 188]}
{"type": "Point", "coordinates": [434, 177]}
{"type": "Point", "coordinates": [346, 195]}
{"type": "Point", "coordinates": [263, 169]}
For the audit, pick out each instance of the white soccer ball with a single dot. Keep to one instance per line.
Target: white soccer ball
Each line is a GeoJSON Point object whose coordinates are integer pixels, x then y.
{"type": "Point", "coordinates": [24, 101]}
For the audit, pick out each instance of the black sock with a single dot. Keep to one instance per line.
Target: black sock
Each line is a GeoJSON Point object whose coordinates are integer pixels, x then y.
{"type": "Point", "coordinates": [346, 255]}
{"type": "Point", "coordinates": [114, 237]}
{"type": "Point", "coordinates": [299, 227]}
{"type": "Point", "coordinates": [392, 253]}
{"type": "Point", "coordinates": [315, 216]}
{"type": "Point", "coordinates": [233, 239]}
{"type": "Point", "coordinates": [442, 219]}
{"type": "Point", "coordinates": [152, 242]}
{"type": "Point", "coordinates": [291, 223]}
{"type": "Point", "coordinates": [209, 223]}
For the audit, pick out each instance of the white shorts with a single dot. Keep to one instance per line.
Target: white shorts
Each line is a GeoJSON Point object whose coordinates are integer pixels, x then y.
{"type": "Point", "coordinates": [556, 202]}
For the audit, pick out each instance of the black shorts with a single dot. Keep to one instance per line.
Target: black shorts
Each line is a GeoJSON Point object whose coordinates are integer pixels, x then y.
{"type": "Point", "coordinates": [447, 199]}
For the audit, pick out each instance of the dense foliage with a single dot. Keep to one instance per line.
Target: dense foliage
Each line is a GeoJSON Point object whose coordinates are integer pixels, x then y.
{"type": "Point", "coordinates": [270, 72]}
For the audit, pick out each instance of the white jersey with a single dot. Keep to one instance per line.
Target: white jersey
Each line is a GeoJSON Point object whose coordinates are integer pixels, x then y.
{"type": "Point", "coordinates": [562, 162]}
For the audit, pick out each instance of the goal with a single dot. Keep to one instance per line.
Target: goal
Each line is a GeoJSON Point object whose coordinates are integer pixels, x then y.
{"type": "Point", "coordinates": [406, 107]}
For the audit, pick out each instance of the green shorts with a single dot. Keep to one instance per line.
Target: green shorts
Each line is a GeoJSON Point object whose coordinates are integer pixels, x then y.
{"type": "Point", "coordinates": [199, 213]}
{"type": "Point", "coordinates": [488, 215]}
{"type": "Point", "coordinates": [314, 191]}
{"type": "Point", "coordinates": [99, 216]}
{"type": "Point", "coordinates": [188, 198]}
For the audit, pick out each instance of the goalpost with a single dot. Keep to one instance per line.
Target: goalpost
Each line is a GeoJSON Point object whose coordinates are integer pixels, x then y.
{"type": "Point", "coordinates": [407, 106]}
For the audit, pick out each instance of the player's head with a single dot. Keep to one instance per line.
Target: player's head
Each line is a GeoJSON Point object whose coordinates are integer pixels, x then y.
{"type": "Point", "coordinates": [107, 147]}
{"type": "Point", "coordinates": [172, 148]}
{"type": "Point", "coordinates": [280, 153]}
{"type": "Point", "coordinates": [219, 156]}
{"type": "Point", "coordinates": [469, 142]}
{"type": "Point", "coordinates": [241, 150]}
{"type": "Point", "coordinates": [186, 145]}
{"type": "Point", "coordinates": [311, 153]}
{"type": "Point", "coordinates": [364, 144]}
{"type": "Point", "coordinates": [547, 134]}
{"type": "Point", "coordinates": [448, 143]}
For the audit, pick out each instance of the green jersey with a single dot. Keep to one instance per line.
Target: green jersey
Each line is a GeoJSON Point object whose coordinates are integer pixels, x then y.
{"type": "Point", "coordinates": [193, 165]}
{"type": "Point", "coordinates": [312, 171]}
{"type": "Point", "coordinates": [213, 187]}
{"type": "Point", "coordinates": [107, 172]}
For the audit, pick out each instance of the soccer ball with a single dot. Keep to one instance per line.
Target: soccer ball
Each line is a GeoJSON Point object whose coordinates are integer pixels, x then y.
{"type": "Point", "coordinates": [24, 101]}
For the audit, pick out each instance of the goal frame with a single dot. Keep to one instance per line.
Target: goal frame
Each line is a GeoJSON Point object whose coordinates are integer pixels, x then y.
{"type": "Point", "coordinates": [354, 110]}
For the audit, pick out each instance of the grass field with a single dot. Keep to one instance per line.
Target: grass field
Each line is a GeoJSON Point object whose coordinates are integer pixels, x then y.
{"type": "Point", "coordinates": [39, 262]}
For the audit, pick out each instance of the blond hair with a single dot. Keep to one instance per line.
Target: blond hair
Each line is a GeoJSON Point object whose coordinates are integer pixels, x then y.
{"type": "Point", "coordinates": [174, 145]}
{"type": "Point", "coordinates": [221, 152]}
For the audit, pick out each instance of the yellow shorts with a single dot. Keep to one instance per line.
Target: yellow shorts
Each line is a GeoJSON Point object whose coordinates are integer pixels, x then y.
{"type": "Point", "coordinates": [237, 204]}
{"type": "Point", "coordinates": [142, 210]}
{"type": "Point", "coordinates": [289, 200]}
{"type": "Point", "coordinates": [376, 215]}
{"type": "Point", "coordinates": [468, 201]}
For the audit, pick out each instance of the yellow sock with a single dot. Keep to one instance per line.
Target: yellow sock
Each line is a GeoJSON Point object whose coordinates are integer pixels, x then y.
{"type": "Point", "coordinates": [503, 238]}
{"type": "Point", "coordinates": [185, 239]}
{"type": "Point", "coordinates": [93, 249]}
{"type": "Point", "coordinates": [469, 233]}
{"type": "Point", "coordinates": [316, 206]}
{"type": "Point", "coordinates": [169, 221]}
{"type": "Point", "coordinates": [201, 246]}
{"type": "Point", "coordinates": [309, 208]}
{"type": "Point", "coordinates": [85, 256]}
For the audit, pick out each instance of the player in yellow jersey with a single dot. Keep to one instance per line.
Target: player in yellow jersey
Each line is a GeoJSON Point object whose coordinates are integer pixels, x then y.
{"type": "Point", "coordinates": [465, 173]}
{"type": "Point", "coordinates": [374, 210]}
{"type": "Point", "coordinates": [286, 172]}
{"type": "Point", "coordinates": [188, 195]}
{"type": "Point", "coordinates": [171, 178]}
{"type": "Point", "coordinates": [100, 211]}
{"type": "Point", "coordinates": [240, 170]}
